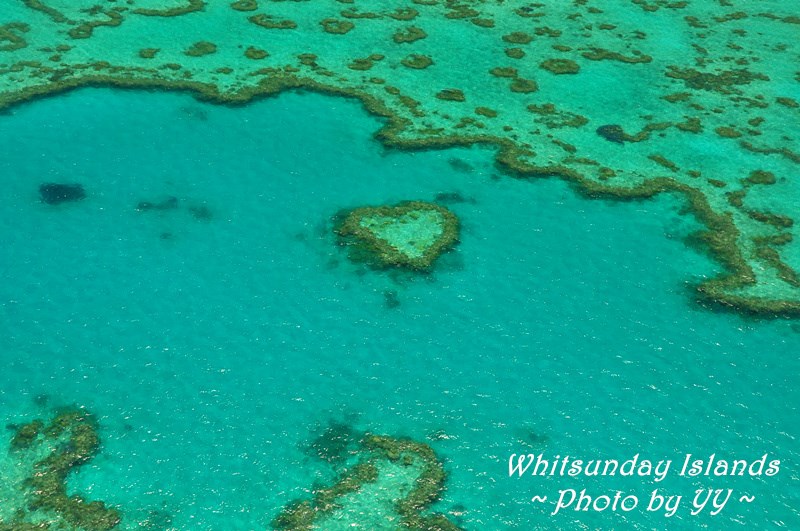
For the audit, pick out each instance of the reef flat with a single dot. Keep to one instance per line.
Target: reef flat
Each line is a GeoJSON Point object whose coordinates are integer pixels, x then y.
{"type": "Point", "coordinates": [627, 98]}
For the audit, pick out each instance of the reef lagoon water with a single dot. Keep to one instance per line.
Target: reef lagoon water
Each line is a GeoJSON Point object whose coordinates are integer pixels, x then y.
{"type": "Point", "coordinates": [200, 305]}
{"type": "Point", "coordinates": [213, 351]}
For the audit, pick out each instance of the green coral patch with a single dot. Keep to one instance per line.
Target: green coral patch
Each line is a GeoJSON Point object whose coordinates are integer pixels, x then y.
{"type": "Point", "coordinates": [201, 48]}
{"type": "Point", "coordinates": [11, 36]}
{"type": "Point", "coordinates": [416, 61]}
{"type": "Point", "coordinates": [560, 66]}
{"type": "Point", "coordinates": [411, 234]}
{"type": "Point", "coordinates": [394, 480]}
{"type": "Point", "coordinates": [337, 27]}
{"type": "Point", "coordinates": [40, 458]}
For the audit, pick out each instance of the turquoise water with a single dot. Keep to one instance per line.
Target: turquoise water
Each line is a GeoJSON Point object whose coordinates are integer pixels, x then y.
{"type": "Point", "coordinates": [214, 349]}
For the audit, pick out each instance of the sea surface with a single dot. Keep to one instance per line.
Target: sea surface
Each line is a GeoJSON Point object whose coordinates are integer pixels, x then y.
{"type": "Point", "coordinates": [214, 340]}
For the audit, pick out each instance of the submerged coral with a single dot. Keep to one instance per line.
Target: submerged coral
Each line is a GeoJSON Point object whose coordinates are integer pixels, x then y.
{"type": "Point", "coordinates": [394, 480]}
{"type": "Point", "coordinates": [48, 453]}
{"type": "Point", "coordinates": [560, 66]}
{"type": "Point", "coordinates": [612, 133]}
{"type": "Point", "coordinates": [56, 193]}
{"type": "Point", "coordinates": [170, 203]}
{"type": "Point", "coordinates": [411, 234]}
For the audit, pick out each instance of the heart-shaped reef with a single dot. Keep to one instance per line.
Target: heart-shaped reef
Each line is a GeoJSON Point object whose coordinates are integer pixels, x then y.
{"type": "Point", "coordinates": [412, 234]}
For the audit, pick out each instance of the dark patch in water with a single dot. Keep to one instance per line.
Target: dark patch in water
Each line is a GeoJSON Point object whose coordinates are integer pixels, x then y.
{"type": "Point", "coordinates": [322, 229]}
{"type": "Point", "coordinates": [195, 113]}
{"type": "Point", "coordinates": [531, 438]}
{"type": "Point", "coordinates": [165, 235]}
{"type": "Point", "coordinates": [390, 299]}
{"type": "Point", "coordinates": [612, 133]}
{"type": "Point", "coordinates": [453, 198]}
{"type": "Point", "coordinates": [201, 213]}
{"type": "Point", "coordinates": [41, 400]}
{"type": "Point", "coordinates": [170, 203]}
{"type": "Point", "coordinates": [697, 241]}
{"type": "Point", "coordinates": [460, 165]}
{"type": "Point", "coordinates": [157, 520]}
{"type": "Point", "coordinates": [337, 442]}
{"type": "Point", "coordinates": [56, 193]}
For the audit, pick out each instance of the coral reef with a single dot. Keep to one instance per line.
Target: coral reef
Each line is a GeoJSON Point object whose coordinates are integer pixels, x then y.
{"type": "Point", "coordinates": [255, 53]}
{"type": "Point", "coordinates": [411, 234]}
{"type": "Point", "coordinates": [560, 66]}
{"type": "Point", "coordinates": [148, 53]}
{"type": "Point", "coordinates": [612, 133]}
{"type": "Point", "coordinates": [518, 37]}
{"type": "Point", "coordinates": [11, 34]}
{"type": "Point", "coordinates": [245, 5]}
{"type": "Point", "coordinates": [417, 61]}
{"type": "Point", "coordinates": [451, 95]}
{"type": "Point", "coordinates": [524, 85]}
{"type": "Point", "coordinates": [267, 22]}
{"type": "Point", "coordinates": [190, 6]}
{"type": "Point", "coordinates": [337, 27]}
{"type": "Point", "coordinates": [201, 48]}
{"type": "Point", "coordinates": [408, 35]}
{"type": "Point", "coordinates": [49, 452]}
{"type": "Point", "coordinates": [397, 479]}
{"type": "Point", "coordinates": [713, 85]}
